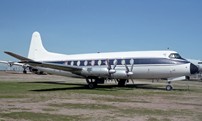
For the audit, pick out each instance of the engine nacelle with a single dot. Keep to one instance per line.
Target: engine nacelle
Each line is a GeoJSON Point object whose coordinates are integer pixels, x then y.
{"type": "Point", "coordinates": [120, 74]}
{"type": "Point", "coordinates": [98, 72]}
{"type": "Point", "coordinates": [104, 73]}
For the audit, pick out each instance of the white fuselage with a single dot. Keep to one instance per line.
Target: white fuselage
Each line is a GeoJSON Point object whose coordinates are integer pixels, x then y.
{"type": "Point", "coordinates": [146, 64]}
{"type": "Point", "coordinates": [118, 65]}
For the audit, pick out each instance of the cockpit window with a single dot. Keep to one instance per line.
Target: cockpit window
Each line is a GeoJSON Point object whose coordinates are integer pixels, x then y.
{"type": "Point", "coordinates": [175, 56]}
{"type": "Point", "coordinates": [199, 62]}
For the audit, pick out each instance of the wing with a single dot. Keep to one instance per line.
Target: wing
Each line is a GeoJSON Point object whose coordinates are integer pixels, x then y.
{"type": "Point", "coordinates": [73, 69]}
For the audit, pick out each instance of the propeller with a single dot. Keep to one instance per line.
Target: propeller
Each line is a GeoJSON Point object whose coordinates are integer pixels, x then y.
{"type": "Point", "coordinates": [111, 69]}
{"type": "Point", "coordinates": [129, 72]}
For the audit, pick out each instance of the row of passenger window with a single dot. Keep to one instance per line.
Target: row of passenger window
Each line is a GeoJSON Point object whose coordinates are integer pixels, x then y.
{"type": "Point", "coordinates": [117, 62]}
{"type": "Point", "coordinates": [99, 62]}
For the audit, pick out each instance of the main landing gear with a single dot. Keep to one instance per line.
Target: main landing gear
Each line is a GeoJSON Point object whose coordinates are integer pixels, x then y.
{"type": "Point", "coordinates": [24, 72]}
{"type": "Point", "coordinates": [92, 83]}
{"type": "Point", "coordinates": [122, 82]}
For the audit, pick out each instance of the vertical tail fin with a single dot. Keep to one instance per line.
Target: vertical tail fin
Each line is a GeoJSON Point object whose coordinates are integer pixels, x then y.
{"type": "Point", "coordinates": [36, 50]}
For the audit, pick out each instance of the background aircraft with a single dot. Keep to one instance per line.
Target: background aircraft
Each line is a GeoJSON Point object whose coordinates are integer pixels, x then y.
{"type": "Point", "coordinates": [12, 63]}
{"type": "Point", "coordinates": [198, 63]}
{"type": "Point", "coordinates": [26, 67]}
{"type": "Point", "coordinates": [98, 67]}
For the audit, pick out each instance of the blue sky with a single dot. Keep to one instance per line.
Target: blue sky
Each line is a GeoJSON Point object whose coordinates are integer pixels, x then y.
{"type": "Point", "coordinates": [87, 26]}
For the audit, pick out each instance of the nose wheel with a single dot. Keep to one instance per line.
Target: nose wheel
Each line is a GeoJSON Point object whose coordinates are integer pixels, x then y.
{"type": "Point", "coordinates": [169, 87]}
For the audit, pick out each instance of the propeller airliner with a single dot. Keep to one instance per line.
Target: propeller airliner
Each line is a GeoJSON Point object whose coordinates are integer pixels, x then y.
{"type": "Point", "coordinates": [96, 68]}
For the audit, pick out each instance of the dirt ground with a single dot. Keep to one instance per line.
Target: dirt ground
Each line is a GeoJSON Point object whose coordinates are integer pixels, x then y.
{"type": "Point", "coordinates": [48, 97]}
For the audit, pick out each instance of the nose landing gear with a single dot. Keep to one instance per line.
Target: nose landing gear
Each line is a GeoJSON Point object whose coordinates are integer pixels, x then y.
{"type": "Point", "coordinates": [169, 87]}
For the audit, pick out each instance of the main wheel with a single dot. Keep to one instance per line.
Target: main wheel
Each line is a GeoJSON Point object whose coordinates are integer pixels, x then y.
{"type": "Point", "coordinates": [24, 72]}
{"type": "Point", "coordinates": [122, 82]}
{"type": "Point", "coordinates": [92, 83]}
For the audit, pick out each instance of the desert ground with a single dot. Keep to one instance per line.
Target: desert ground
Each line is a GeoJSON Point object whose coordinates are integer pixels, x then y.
{"type": "Point", "coordinates": [30, 97]}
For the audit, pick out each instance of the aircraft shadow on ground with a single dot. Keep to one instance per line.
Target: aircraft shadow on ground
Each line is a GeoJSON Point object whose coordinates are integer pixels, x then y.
{"type": "Point", "coordinates": [76, 86]}
{"type": "Point", "coordinates": [55, 83]}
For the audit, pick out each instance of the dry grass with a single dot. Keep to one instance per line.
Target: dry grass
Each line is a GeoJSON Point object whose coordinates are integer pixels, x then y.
{"type": "Point", "coordinates": [48, 97]}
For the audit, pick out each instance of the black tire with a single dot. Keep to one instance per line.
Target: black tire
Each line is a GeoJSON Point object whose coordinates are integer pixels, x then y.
{"type": "Point", "coordinates": [92, 85]}
{"type": "Point", "coordinates": [122, 83]}
{"type": "Point", "coordinates": [169, 88]}
{"type": "Point", "coordinates": [24, 72]}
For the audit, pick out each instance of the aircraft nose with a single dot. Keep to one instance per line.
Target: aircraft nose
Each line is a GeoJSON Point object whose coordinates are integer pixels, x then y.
{"type": "Point", "coordinates": [193, 69]}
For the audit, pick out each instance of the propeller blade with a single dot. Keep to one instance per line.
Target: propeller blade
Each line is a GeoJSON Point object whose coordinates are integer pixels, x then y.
{"type": "Point", "coordinates": [132, 80]}
{"type": "Point", "coordinates": [132, 68]}
{"type": "Point", "coordinates": [108, 64]}
{"type": "Point", "coordinates": [127, 69]}
{"type": "Point", "coordinates": [115, 63]}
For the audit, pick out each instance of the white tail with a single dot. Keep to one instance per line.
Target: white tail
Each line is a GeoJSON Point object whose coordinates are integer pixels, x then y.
{"type": "Point", "coordinates": [38, 52]}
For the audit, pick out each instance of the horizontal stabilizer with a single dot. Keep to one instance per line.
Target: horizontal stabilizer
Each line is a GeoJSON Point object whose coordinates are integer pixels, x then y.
{"type": "Point", "coordinates": [19, 57]}
{"type": "Point", "coordinates": [44, 64]}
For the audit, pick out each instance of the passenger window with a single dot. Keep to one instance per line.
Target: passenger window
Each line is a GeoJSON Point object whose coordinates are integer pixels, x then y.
{"type": "Point", "coordinates": [92, 63]}
{"type": "Point", "coordinates": [72, 63]}
{"type": "Point", "coordinates": [131, 61]}
{"type": "Point", "coordinates": [123, 62]}
{"type": "Point", "coordinates": [115, 62]}
{"type": "Point", "coordinates": [66, 63]}
{"type": "Point", "coordinates": [99, 62]}
{"type": "Point", "coordinates": [78, 63]}
{"type": "Point", "coordinates": [85, 62]}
